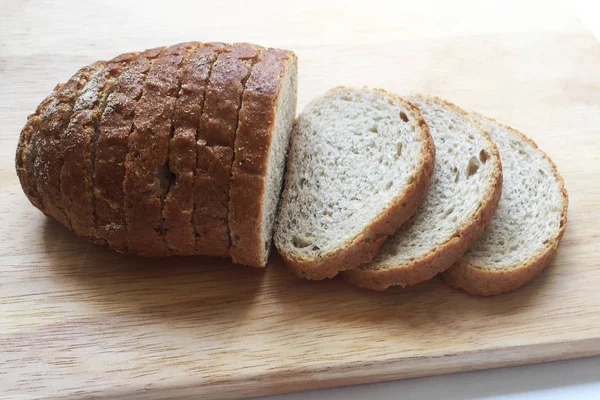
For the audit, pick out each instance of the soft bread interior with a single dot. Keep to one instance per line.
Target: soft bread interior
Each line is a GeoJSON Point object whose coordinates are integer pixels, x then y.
{"type": "Point", "coordinates": [530, 210]}
{"type": "Point", "coordinates": [462, 178]}
{"type": "Point", "coordinates": [353, 152]}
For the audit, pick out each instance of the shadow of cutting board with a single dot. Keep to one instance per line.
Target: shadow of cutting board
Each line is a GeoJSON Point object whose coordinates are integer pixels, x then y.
{"type": "Point", "coordinates": [78, 320]}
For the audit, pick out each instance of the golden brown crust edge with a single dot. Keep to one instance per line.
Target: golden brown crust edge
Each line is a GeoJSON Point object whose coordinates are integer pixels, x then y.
{"type": "Point", "coordinates": [366, 244]}
{"type": "Point", "coordinates": [444, 256]}
{"type": "Point", "coordinates": [475, 280]}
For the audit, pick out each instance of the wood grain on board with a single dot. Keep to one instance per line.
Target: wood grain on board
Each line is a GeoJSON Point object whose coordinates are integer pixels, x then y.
{"type": "Point", "coordinates": [78, 320]}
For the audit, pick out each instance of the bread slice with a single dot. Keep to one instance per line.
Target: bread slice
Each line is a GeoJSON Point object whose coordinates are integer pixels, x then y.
{"type": "Point", "coordinates": [262, 140]}
{"type": "Point", "coordinates": [79, 146]}
{"type": "Point", "coordinates": [359, 165]}
{"type": "Point", "coordinates": [115, 126]}
{"type": "Point", "coordinates": [47, 153]}
{"type": "Point", "coordinates": [215, 150]}
{"type": "Point", "coordinates": [146, 172]}
{"type": "Point", "coordinates": [524, 234]}
{"type": "Point", "coordinates": [169, 171]}
{"type": "Point", "coordinates": [461, 200]}
{"type": "Point", "coordinates": [179, 202]}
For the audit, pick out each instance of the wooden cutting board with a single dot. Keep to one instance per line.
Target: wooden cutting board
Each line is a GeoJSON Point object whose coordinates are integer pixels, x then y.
{"type": "Point", "coordinates": [78, 320]}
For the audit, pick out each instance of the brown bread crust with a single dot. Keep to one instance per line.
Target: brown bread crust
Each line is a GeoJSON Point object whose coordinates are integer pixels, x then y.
{"type": "Point", "coordinates": [179, 202]}
{"type": "Point", "coordinates": [216, 138]}
{"type": "Point", "coordinates": [146, 173]}
{"type": "Point", "coordinates": [173, 153]}
{"type": "Point", "coordinates": [25, 157]}
{"type": "Point", "coordinates": [488, 282]}
{"type": "Point", "coordinates": [48, 159]}
{"type": "Point", "coordinates": [115, 126]}
{"type": "Point", "coordinates": [365, 245]}
{"type": "Point", "coordinates": [79, 146]}
{"type": "Point", "coordinates": [253, 140]}
{"type": "Point", "coordinates": [443, 256]}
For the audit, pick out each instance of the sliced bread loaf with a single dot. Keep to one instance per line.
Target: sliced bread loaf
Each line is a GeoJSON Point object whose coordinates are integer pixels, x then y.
{"type": "Point", "coordinates": [463, 195]}
{"type": "Point", "coordinates": [359, 165]}
{"type": "Point", "coordinates": [524, 234]}
{"type": "Point", "coordinates": [148, 152]}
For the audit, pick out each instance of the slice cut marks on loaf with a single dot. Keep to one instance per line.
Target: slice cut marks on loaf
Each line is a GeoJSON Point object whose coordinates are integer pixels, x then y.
{"type": "Point", "coordinates": [79, 145]}
{"type": "Point", "coordinates": [215, 146]}
{"type": "Point", "coordinates": [359, 165]}
{"type": "Point", "coordinates": [147, 175]}
{"type": "Point", "coordinates": [27, 148]}
{"type": "Point", "coordinates": [524, 234]}
{"type": "Point", "coordinates": [115, 126]}
{"type": "Point", "coordinates": [179, 201]}
{"type": "Point", "coordinates": [461, 199]}
{"type": "Point", "coordinates": [46, 152]}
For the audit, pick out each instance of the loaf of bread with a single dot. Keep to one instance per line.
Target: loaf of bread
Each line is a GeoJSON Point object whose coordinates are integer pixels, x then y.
{"type": "Point", "coordinates": [172, 151]}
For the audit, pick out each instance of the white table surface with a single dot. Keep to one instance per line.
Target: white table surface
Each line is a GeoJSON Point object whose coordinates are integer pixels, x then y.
{"type": "Point", "coordinates": [573, 379]}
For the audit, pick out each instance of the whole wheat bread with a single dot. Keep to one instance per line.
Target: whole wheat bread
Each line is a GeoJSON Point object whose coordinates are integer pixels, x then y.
{"type": "Point", "coordinates": [360, 163]}
{"type": "Point", "coordinates": [117, 153]}
{"type": "Point", "coordinates": [524, 234]}
{"type": "Point", "coordinates": [463, 195]}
